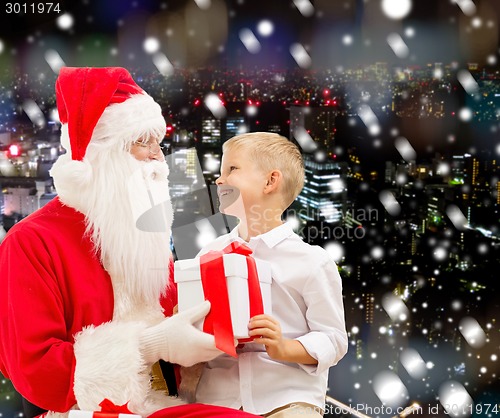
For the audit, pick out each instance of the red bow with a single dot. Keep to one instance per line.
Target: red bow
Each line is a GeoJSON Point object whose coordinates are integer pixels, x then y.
{"type": "Point", "coordinates": [108, 406]}
{"type": "Point", "coordinates": [218, 320]}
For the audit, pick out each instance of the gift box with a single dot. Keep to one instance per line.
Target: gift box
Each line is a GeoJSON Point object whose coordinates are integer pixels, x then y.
{"type": "Point", "coordinates": [193, 288]}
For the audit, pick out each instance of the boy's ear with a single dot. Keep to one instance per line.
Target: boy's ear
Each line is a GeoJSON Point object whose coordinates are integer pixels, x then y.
{"type": "Point", "coordinates": [274, 179]}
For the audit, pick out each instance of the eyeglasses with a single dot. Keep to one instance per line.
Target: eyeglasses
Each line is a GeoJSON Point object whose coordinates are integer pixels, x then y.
{"type": "Point", "coordinates": [152, 145]}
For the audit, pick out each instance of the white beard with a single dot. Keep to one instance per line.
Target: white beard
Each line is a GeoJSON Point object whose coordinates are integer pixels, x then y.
{"type": "Point", "coordinates": [112, 200]}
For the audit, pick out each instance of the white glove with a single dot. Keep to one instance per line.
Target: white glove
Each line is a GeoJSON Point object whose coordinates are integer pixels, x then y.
{"type": "Point", "coordinates": [178, 341]}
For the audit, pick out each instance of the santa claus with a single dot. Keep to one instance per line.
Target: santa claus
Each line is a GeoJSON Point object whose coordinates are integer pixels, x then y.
{"type": "Point", "coordinates": [84, 281]}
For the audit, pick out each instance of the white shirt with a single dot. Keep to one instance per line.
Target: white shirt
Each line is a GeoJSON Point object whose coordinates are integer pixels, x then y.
{"type": "Point", "coordinates": [307, 301]}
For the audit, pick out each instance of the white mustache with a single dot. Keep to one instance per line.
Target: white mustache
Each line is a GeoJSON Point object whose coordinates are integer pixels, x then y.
{"type": "Point", "coordinates": [154, 170]}
{"type": "Point", "coordinates": [149, 196]}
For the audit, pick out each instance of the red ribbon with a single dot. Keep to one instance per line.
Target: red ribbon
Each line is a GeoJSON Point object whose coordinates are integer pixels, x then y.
{"type": "Point", "coordinates": [218, 320]}
{"type": "Point", "coordinates": [109, 407]}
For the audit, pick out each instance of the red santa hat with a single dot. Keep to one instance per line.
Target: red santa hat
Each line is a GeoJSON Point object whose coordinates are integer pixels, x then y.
{"type": "Point", "coordinates": [84, 94]}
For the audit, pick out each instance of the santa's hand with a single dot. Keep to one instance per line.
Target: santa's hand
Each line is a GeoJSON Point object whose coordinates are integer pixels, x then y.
{"type": "Point", "coordinates": [178, 341]}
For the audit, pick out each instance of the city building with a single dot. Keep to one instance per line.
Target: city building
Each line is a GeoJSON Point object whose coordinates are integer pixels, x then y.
{"type": "Point", "coordinates": [324, 195]}
{"type": "Point", "coordinates": [318, 121]}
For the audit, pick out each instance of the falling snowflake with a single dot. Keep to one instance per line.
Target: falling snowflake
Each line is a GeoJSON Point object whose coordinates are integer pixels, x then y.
{"type": "Point", "coordinates": [377, 253]}
{"type": "Point", "coordinates": [390, 389]}
{"type": "Point", "coordinates": [251, 110]}
{"type": "Point", "coordinates": [54, 115]}
{"type": "Point", "coordinates": [369, 118]}
{"type": "Point", "coordinates": [455, 399]}
{"type": "Point", "coordinates": [163, 64]}
{"type": "Point", "coordinates": [467, 6]}
{"type": "Point", "coordinates": [34, 112]}
{"type": "Point", "coordinates": [151, 45]}
{"type": "Point", "coordinates": [413, 363]}
{"type": "Point", "coordinates": [410, 32]}
{"type": "Point", "coordinates": [249, 40]}
{"type": "Point", "coordinates": [65, 21]}
{"type": "Point", "coordinates": [211, 164]}
{"type": "Point", "coordinates": [265, 28]}
{"type": "Point", "coordinates": [214, 104]}
{"type": "Point", "coordinates": [305, 7]}
{"type": "Point", "coordinates": [320, 156]}
{"type": "Point", "coordinates": [465, 114]}
{"type": "Point", "coordinates": [467, 81]}
{"type": "Point", "coordinates": [398, 45]}
{"type": "Point", "coordinates": [438, 73]}
{"type": "Point", "coordinates": [54, 60]}
{"type": "Point", "coordinates": [335, 250]}
{"type": "Point", "coordinates": [300, 55]}
{"type": "Point", "coordinates": [347, 40]}
{"type": "Point", "coordinates": [304, 139]}
{"type": "Point", "coordinates": [472, 332]}
{"type": "Point", "coordinates": [395, 307]}
{"type": "Point", "coordinates": [203, 4]}
{"type": "Point", "coordinates": [337, 185]}
{"type": "Point", "coordinates": [440, 254]}
{"type": "Point", "coordinates": [443, 169]}
{"type": "Point", "coordinates": [396, 9]}
{"type": "Point", "coordinates": [491, 59]}
{"type": "Point", "coordinates": [405, 149]}
{"type": "Point", "coordinates": [457, 217]}
{"type": "Point", "coordinates": [390, 203]}
{"type": "Point", "coordinates": [207, 233]}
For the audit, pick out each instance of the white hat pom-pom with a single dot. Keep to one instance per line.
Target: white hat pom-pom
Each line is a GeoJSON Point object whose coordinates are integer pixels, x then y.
{"type": "Point", "coordinates": [71, 179]}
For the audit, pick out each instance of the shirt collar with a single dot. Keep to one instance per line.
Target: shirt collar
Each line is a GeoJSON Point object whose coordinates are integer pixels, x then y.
{"type": "Point", "coordinates": [271, 238]}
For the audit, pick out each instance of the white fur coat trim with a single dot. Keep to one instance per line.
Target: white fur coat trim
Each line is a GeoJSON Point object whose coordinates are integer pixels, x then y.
{"type": "Point", "coordinates": [109, 365]}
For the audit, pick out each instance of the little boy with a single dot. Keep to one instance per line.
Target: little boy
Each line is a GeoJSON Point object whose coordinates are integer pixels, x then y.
{"type": "Point", "coordinates": [284, 371]}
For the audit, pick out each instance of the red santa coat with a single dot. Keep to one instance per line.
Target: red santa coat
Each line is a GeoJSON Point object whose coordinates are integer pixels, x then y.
{"type": "Point", "coordinates": [51, 287]}
{"type": "Point", "coordinates": [59, 343]}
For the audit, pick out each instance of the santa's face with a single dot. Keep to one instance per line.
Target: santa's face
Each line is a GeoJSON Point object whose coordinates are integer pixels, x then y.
{"type": "Point", "coordinates": [146, 149]}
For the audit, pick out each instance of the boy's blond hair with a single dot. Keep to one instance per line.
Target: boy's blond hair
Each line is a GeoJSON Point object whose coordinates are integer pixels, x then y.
{"type": "Point", "coordinates": [271, 151]}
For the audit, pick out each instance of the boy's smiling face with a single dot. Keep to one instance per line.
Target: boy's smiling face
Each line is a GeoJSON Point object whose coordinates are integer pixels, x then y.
{"type": "Point", "coordinates": [240, 179]}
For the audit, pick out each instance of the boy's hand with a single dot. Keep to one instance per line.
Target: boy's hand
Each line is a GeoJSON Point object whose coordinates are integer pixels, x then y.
{"type": "Point", "coordinates": [267, 330]}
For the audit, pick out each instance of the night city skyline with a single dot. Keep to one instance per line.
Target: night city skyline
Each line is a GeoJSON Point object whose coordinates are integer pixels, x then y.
{"type": "Point", "coordinates": [398, 119]}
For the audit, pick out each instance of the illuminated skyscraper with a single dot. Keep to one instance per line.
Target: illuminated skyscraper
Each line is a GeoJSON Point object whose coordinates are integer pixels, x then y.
{"type": "Point", "coordinates": [211, 131]}
{"type": "Point", "coordinates": [324, 194]}
{"type": "Point", "coordinates": [319, 122]}
{"type": "Point", "coordinates": [234, 125]}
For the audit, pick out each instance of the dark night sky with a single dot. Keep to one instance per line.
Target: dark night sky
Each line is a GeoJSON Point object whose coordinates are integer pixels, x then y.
{"type": "Point", "coordinates": [443, 32]}
{"type": "Point", "coordinates": [338, 35]}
